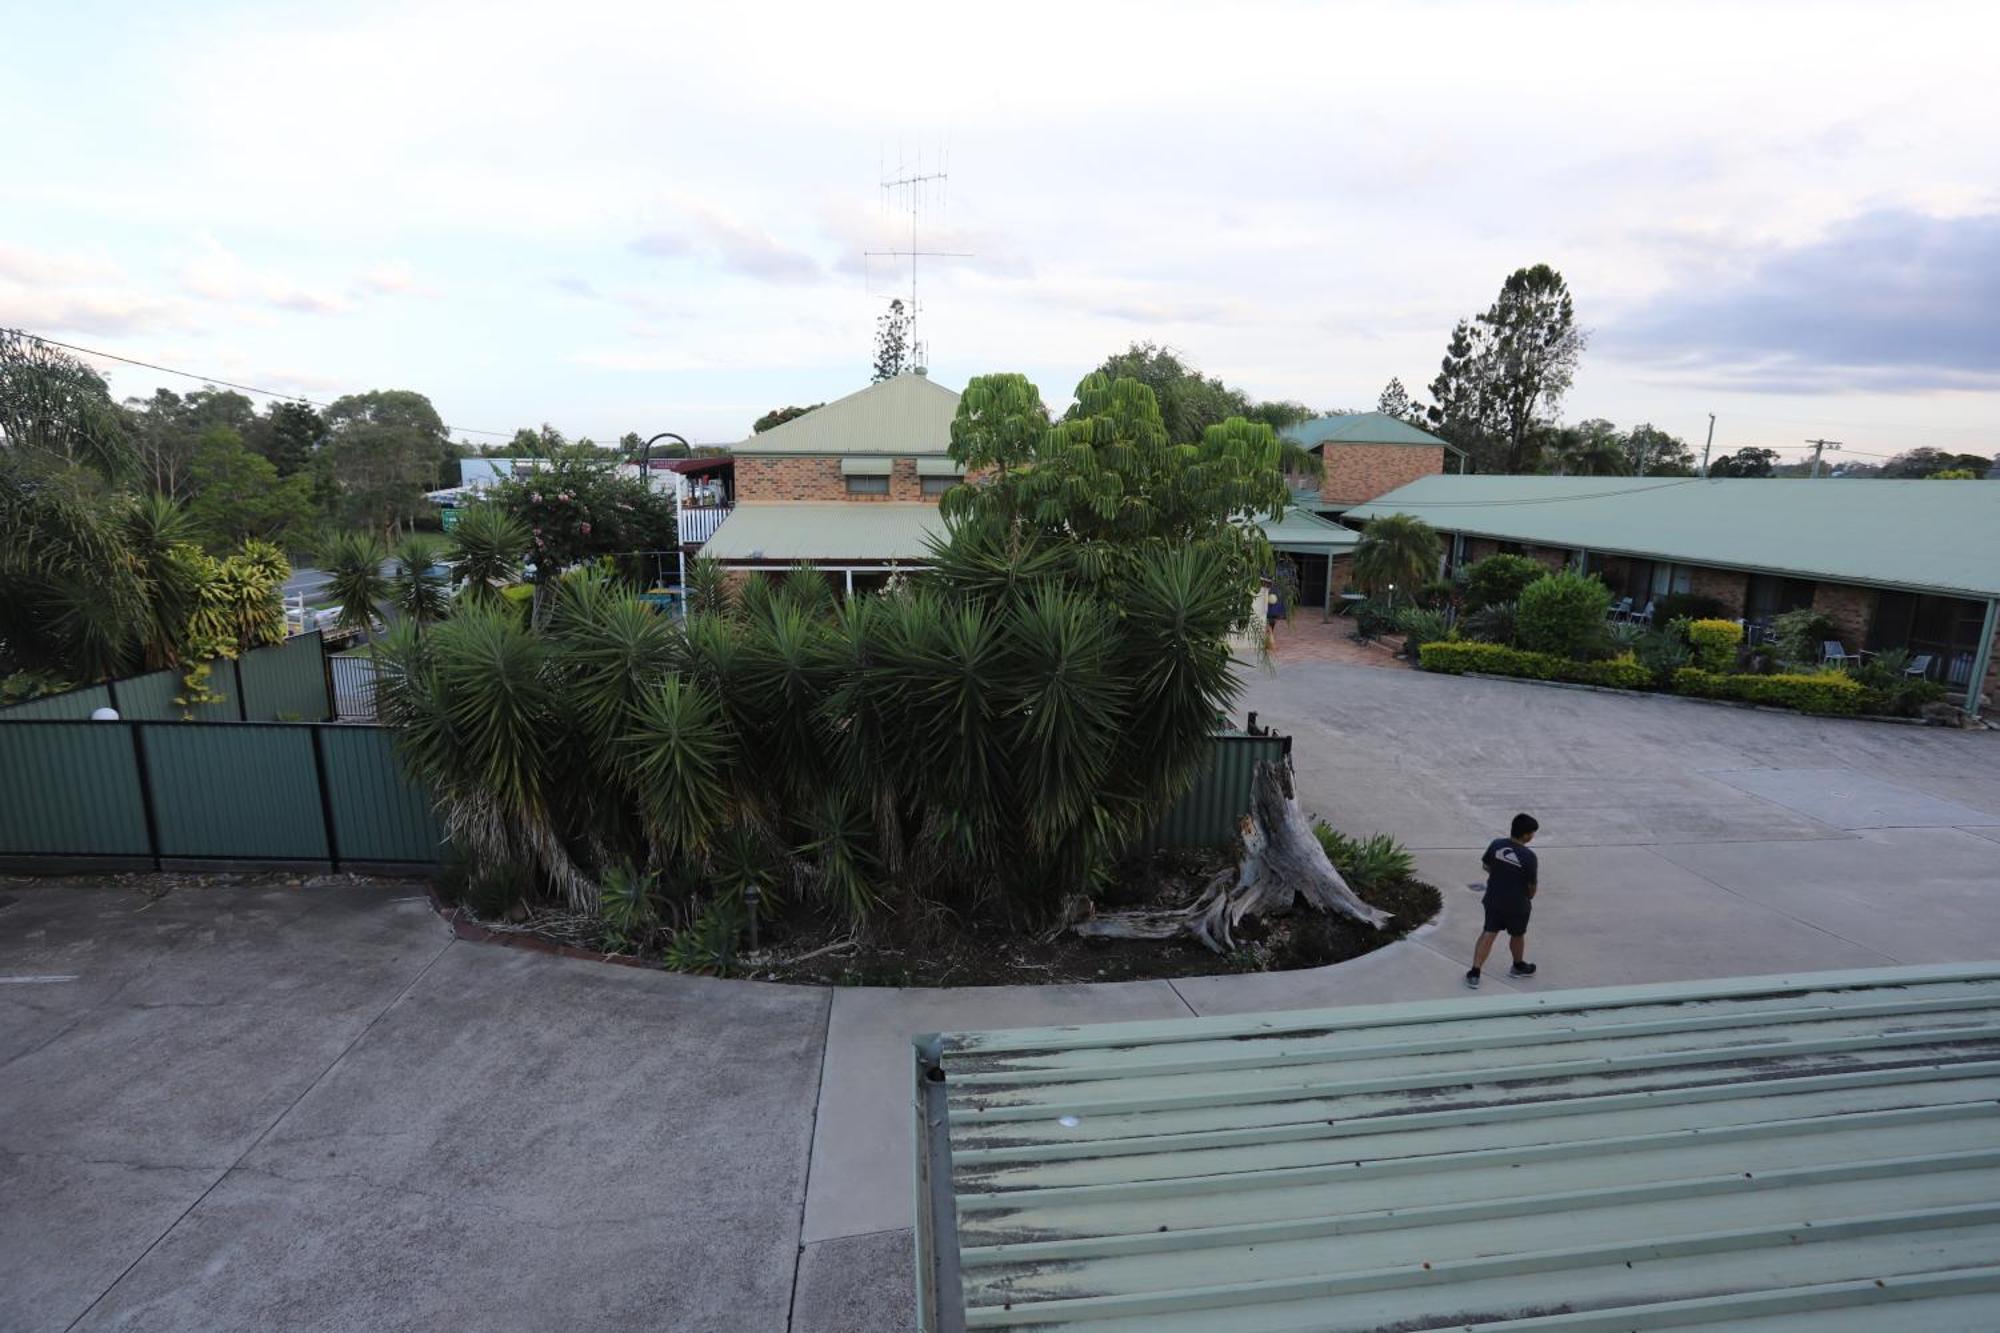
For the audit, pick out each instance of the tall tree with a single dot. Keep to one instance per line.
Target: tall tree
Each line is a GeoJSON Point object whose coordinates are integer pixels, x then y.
{"type": "Point", "coordinates": [778, 416]}
{"type": "Point", "coordinates": [1395, 401]}
{"type": "Point", "coordinates": [1745, 463]}
{"type": "Point", "coordinates": [1189, 401]}
{"type": "Point", "coordinates": [1922, 462]}
{"type": "Point", "coordinates": [892, 342]}
{"type": "Point", "coordinates": [237, 495]}
{"type": "Point", "coordinates": [387, 449]}
{"type": "Point", "coordinates": [55, 408]}
{"type": "Point", "coordinates": [1505, 372]}
{"type": "Point", "coordinates": [1651, 452]}
{"type": "Point", "coordinates": [1592, 448]}
{"type": "Point", "coordinates": [291, 433]}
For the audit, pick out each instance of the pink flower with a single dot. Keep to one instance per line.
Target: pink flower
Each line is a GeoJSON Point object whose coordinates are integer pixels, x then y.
{"type": "Point", "coordinates": [585, 529]}
{"type": "Point", "coordinates": [535, 496]}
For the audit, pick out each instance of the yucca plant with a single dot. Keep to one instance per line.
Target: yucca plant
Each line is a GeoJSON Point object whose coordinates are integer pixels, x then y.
{"type": "Point", "coordinates": [353, 560]}
{"type": "Point", "coordinates": [419, 592]}
{"type": "Point", "coordinates": [485, 551]}
{"type": "Point", "coordinates": [707, 588]}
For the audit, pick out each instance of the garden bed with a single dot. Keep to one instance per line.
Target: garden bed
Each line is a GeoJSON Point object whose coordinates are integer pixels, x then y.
{"type": "Point", "coordinates": [991, 953]}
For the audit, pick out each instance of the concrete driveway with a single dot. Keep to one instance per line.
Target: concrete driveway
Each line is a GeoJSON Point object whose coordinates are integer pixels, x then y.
{"type": "Point", "coordinates": [307, 1107]}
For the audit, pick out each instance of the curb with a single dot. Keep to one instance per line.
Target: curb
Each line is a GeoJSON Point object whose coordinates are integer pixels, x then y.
{"type": "Point", "coordinates": [473, 933]}
{"type": "Point", "coordinates": [1979, 724]}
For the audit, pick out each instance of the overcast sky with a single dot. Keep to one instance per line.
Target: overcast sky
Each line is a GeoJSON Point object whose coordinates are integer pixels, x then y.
{"type": "Point", "coordinates": [653, 216]}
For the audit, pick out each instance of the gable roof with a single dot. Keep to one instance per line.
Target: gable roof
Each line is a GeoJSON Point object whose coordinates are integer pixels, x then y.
{"type": "Point", "coordinates": [1814, 1151]}
{"type": "Point", "coordinates": [1303, 530]}
{"type": "Point", "coordinates": [1360, 428]}
{"type": "Point", "coordinates": [903, 416]}
{"type": "Point", "coordinates": [1931, 536]}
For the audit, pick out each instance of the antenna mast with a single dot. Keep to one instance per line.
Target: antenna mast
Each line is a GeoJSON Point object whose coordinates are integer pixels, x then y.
{"type": "Point", "coordinates": [914, 185]}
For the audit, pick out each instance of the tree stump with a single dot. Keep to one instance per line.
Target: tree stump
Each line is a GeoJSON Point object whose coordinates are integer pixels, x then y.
{"type": "Point", "coordinates": [1279, 864]}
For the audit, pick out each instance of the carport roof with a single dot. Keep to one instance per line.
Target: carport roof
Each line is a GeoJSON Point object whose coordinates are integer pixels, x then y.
{"type": "Point", "coordinates": [1933, 536]}
{"type": "Point", "coordinates": [1810, 1152]}
{"type": "Point", "coordinates": [1303, 530]}
{"type": "Point", "coordinates": [829, 532]}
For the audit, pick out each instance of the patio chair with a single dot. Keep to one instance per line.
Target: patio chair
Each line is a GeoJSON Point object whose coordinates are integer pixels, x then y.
{"type": "Point", "coordinates": [1919, 667]}
{"type": "Point", "coordinates": [1832, 652]}
{"type": "Point", "coordinates": [1622, 611]}
{"type": "Point", "coordinates": [1644, 617]}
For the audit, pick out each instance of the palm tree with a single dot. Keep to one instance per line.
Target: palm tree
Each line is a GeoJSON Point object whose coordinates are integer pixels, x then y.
{"type": "Point", "coordinates": [485, 552]}
{"type": "Point", "coordinates": [354, 560]}
{"type": "Point", "coordinates": [1590, 450]}
{"type": "Point", "coordinates": [418, 591]}
{"type": "Point", "coordinates": [1396, 550]}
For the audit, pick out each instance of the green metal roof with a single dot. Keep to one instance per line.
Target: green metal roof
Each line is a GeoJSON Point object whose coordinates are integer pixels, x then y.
{"type": "Point", "coordinates": [830, 532]}
{"type": "Point", "coordinates": [1303, 530]}
{"type": "Point", "coordinates": [1817, 1152]}
{"type": "Point", "coordinates": [903, 416]}
{"type": "Point", "coordinates": [1928, 535]}
{"type": "Point", "coordinates": [1359, 428]}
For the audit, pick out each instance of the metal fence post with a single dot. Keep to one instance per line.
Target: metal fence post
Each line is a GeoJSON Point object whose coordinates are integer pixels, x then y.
{"type": "Point", "coordinates": [242, 704]}
{"type": "Point", "coordinates": [325, 797]}
{"type": "Point", "coordinates": [146, 792]}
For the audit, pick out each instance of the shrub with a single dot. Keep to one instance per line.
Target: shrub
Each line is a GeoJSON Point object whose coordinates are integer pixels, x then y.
{"type": "Point", "coordinates": [1798, 634]}
{"type": "Point", "coordinates": [1420, 627]}
{"type": "Point", "coordinates": [1808, 692]}
{"type": "Point", "coordinates": [1492, 624]}
{"type": "Point", "coordinates": [1458, 656]}
{"type": "Point", "coordinates": [1686, 606]}
{"type": "Point", "coordinates": [1662, 654]}
{"type": "Point", "coordinates": [1888, 691]}
{"type": "Point", "coordinates": [519, 599]}
{"type": "Point", "coordinates": [1714, 643]}
{"type": "Point", "coordinates": [1499, 578]}
{"type": "Point", "coordinates": [1563, 614]}
{"type": "Point", "coordinates": [1437, 594]}
{"type": "Point", "coordinates": [1623, 635]}
{"type": "Point", "coordinates": [1365, 863]}
{"type": "Point", "coordinates": [1373, 619]}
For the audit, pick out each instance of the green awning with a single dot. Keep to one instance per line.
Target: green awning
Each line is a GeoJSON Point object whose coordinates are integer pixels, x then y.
{"type": "Point", "coordinates": [940, 467]}
{"type": "Point", "coordinates": [866, 466]}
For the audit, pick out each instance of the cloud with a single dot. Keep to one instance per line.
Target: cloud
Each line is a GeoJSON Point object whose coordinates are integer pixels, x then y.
{"type": "Point", "coordinates": [219, 275]}
{"type": "Point", "coordinates": [739, 247]}
{"type": "Point", "coordinates": [61, 293]}
{"type": "Point", "coordinates": [1890, 300]}
{"type": "Point", "coordinates": [394, 278]}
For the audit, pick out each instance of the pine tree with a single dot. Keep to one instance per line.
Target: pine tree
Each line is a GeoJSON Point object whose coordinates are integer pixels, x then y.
{"type": "Point", "coordinates": [892, 342]}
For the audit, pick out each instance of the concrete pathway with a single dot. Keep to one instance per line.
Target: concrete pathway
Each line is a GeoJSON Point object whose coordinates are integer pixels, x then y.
{"type": "Point", "coordinates": [309, 1108]}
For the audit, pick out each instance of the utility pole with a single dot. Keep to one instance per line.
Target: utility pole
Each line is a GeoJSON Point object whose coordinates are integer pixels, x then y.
{"type": "Point", "coordinates": [1710, 445]}
{"type": "Point", "coordinates": [1820, 447]}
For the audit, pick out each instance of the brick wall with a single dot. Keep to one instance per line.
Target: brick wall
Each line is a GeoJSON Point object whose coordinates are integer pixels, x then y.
{"type": "Point", "coordinates": [1339, 574]}
{"type": "Point", "coordinates": [1847, 606]}
{"type": "Point", "coordinates": [769, 480]}
{"type": "Point", "coordinates": [1728, 586]}
{"type": "Point", "coordinates": [1359, 472]}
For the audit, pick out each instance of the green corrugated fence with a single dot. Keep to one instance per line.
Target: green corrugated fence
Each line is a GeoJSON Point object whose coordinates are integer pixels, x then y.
{"type": "Point", "coordinates": [321, 792]}
{"type": "Point", "coordinates": [285, 682]}
{"type": "Point", "coordinates": [1207, 815]}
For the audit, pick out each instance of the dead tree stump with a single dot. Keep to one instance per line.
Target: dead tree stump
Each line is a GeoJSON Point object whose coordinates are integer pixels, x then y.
{"type": "Point", "coordinates": [1279, 864]}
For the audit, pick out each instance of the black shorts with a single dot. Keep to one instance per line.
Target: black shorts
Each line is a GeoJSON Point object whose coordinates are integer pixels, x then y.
{"type": "Point", "coordinates": [1508, 914]}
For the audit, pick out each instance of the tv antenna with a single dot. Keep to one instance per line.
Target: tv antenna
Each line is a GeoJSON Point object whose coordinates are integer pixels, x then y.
{"type": "Point", "coordinates": [915, 188]}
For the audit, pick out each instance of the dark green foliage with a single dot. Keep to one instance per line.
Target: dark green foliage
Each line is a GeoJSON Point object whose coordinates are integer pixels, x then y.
{"type": "Point", "coordinates": [1436, 594]}
{"type": "Point", "coordinates": [1365, 863]}
{"type": "Point", "coordinates": [1689, 606]}
{"type": "Point", "coordinates": [1662, 654]}
{"type": "Point", "coordinates": [1491, 659]}
{"type": "Point", "coordinates": [1563, 614]}
{"type": "Point", "coordinates": [1374, 618]}
{"type": "Point", "coordinates": [1499, 578]}
{"type": "Point", "coordinates": [1397, 551]}
{"type": "Point", "coordinates": [1798, 635]}
{"type": "Point", "coordinates": [1419, 627]}
{"type": "Point", "coordinates": [707, 945]}
{"type": "Point", "coordinates": [778, 416]}
{"type": "Point", "coordinates": [1496, 622]}
{"type": "Point", "coordinates": [1889, 693]}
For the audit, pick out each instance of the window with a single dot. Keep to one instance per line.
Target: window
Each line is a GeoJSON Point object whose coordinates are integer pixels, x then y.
{"type": "Point", "coordinates": [858, 484]}
{"type": "Point", "coordinates": [1773, 595]}
{"type": "Point", "coordinates": [939, 485]}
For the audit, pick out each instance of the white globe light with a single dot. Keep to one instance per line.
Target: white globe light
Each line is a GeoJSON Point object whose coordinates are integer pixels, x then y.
{"type": "Point", "coordinates": [104, 715]}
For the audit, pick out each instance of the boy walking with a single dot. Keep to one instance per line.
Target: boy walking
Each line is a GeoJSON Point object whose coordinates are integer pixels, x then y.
{"type": "Point", "coordinates": [1510, 886]}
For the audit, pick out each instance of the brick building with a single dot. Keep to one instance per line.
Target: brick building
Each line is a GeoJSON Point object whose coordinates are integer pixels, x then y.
{"type": "Point", "coordinates": [851, 487]}
{"type": "Point", "coordinates": [1366, 454]}
{"type": "Point", "coordinates": [1894, 564]}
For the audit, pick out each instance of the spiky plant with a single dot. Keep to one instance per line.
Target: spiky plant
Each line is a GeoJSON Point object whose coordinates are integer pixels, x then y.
{"type": "Point", "coordinates": [353, 560]}
{"type": "Point", "coordinates": [707, 588]}
{"type": "Point", "coordinates": [485, 551]}
{"type": "Point", "coordinates": [417, 589]}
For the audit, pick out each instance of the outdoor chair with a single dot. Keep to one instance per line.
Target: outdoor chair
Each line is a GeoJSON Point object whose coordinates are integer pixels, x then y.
{"type": "Point", "coordinates": [1644, 617]}
{"type": "Point", "coordinates": [1832, 652]}
{"type": "Point", "coordinates": [1919, 667]}
{"type": "Point", "coordinates": [1622, 611]}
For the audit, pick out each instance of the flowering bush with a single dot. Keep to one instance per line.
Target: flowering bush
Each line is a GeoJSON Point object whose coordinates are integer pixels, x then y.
{"type": "Point", "coordinates": [577, 508]}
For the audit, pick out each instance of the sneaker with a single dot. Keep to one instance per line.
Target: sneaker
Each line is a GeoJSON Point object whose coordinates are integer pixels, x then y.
{"type": "Point", "coordinates": [1472, 979]}
{"type": "Point", "coordinates": [1521, 970]}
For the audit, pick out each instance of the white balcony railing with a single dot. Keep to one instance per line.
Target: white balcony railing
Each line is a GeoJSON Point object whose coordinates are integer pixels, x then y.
{"type": "Point", "coordinates": [699, 522]}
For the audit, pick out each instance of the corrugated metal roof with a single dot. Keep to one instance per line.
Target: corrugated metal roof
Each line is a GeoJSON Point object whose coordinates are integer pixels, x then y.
{"type": "Point", "coordinates": [907, 415]}
{"type": "Point", "coordinates": [1303, 530]}
{"type": "Point", "coordinates": [1930, 535]}
{"type": "Point", "coordinates": [1818, 1152]}
{"type": "Point", "coordinates": [1359, 428]}
{"type": "Point", "coordinates": [835, 532]}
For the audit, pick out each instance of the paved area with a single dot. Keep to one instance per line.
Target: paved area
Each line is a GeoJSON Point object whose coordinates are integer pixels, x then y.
{"type": "Point", "coordinates": [307, 1107]}
{"type": "Point", "coordinates": [1312, 638]}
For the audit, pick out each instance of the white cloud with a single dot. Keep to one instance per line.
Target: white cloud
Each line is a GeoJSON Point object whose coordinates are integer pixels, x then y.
{"type": "Point", "coordinates": [218, 274]}
{"type": "Point", "coordinates": [52, 292]}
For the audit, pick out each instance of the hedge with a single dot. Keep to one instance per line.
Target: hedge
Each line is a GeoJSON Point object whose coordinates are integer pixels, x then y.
{"type": "Point", "coordinates": [1714, 643]}
{"type": "Point", "coordinates": [1818, 692]}
{"type": "Point", "coordinates": [1457, 656]}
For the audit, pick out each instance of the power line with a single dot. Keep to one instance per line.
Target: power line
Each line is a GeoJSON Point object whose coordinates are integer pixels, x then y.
{"type": "Point", "coordinates": [1545, 499]}
{"type": "Point", "coordinates": [227, 384]}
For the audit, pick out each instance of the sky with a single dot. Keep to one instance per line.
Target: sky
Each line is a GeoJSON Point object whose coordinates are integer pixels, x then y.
{"type": "Point", "coordinates": [647, 217]}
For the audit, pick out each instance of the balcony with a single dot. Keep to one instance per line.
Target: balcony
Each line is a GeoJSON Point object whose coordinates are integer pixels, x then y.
{"type": "Point", "coordinates": [699, 522]}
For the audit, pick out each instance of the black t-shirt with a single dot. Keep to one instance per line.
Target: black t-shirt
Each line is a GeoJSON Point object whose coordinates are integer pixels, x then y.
{"type": "Point", "coordinates": [1510, 870]}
